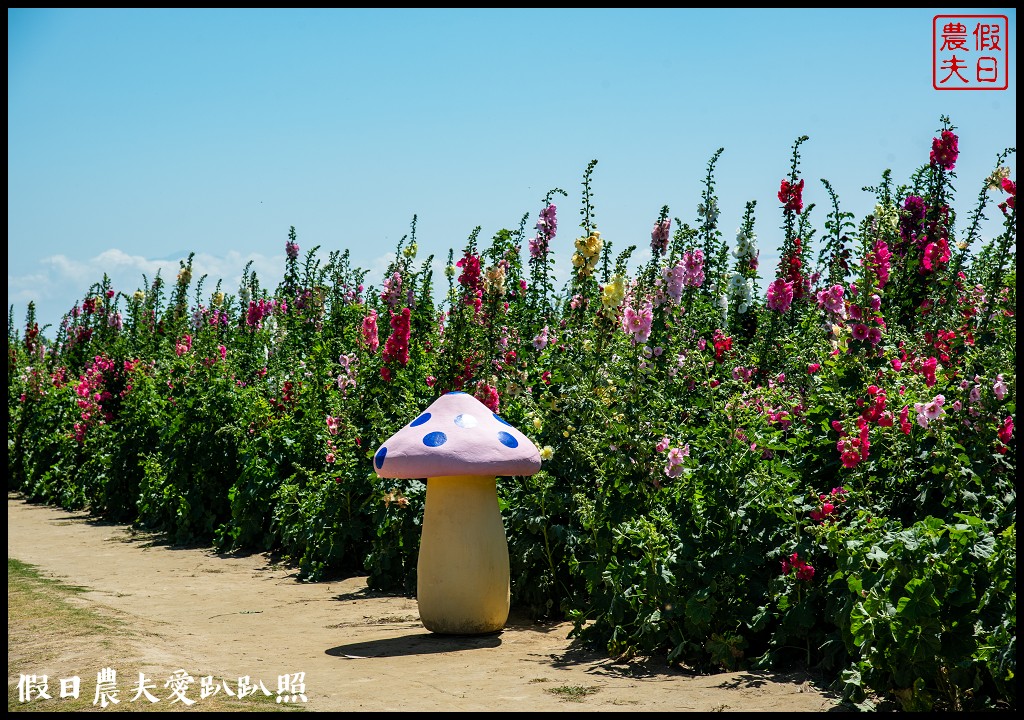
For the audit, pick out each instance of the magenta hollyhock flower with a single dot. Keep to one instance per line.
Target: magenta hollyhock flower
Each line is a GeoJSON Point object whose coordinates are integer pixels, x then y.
{"type": "Point", "coordinates": [1011, 202]}
{"type": "Point", "coordinates": [471, 279]}
{"type": "Point", "coordinates": [880, 257]}
{"type": "Point", "coordinates": [1005, 432]}
{"type": "Point", "coordinates": [874, 336]}
{"type": "Point", "coordinates": [945, 150]}
{"type": "Point", "coordinates": [396, 347]}
{"type": "Point", "coordinates": [488, 395]}
{"type": "Point", "coordinates": [813, 368]}
{"type": "Point", "coordinates": [291, 249]}
{"type": "Point", "coordinates": [780, 295]}
{"type": "Point", "coordinates": [934, 254]}
{"type": "Point", "coordinates": [804, 571]}
{"type": "Point", "coordinates": [223, 352]}
{"type": "Point", "coordinates": [928, 369]}
{"type": "Point", "coordinates": [914, 210]}
{"type": "Point", "coordinates": [860, 331]}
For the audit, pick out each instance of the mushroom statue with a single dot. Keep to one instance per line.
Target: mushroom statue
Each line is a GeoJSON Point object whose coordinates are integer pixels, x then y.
{"type": "Point", "coordinates": [460, 447]}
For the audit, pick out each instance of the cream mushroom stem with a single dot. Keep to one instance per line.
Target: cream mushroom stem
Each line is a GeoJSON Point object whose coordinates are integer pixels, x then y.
{"type": "Point", "coordinates": [461, 447]}
{"type": "Point", "coordinates": [462, 578]}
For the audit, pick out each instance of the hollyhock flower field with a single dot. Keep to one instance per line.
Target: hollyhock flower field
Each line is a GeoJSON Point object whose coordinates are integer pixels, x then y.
{"type": "Point", "coordinates": [743, 467]}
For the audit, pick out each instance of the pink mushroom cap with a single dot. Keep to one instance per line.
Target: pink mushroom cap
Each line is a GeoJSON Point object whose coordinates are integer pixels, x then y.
{"type": "Point", "coordinates": [456, 435]}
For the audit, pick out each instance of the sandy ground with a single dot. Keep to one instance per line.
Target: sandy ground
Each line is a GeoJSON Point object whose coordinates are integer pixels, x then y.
{"type": "Point", "coordinates": [231, 617]}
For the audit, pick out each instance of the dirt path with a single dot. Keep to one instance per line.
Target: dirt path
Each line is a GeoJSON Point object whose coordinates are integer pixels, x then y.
{"type": "Point", "coordinates": [231, 617]}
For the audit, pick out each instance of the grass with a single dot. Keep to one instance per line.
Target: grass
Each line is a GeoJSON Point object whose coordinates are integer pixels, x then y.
{"type": "Point", "coordinates": [573, 693]}
{"type": "Point", "coordinates": [53, 631]}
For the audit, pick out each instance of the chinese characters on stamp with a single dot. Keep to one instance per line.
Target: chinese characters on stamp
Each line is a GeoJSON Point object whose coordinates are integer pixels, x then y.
{"type": "Point", "coordinates": [970, 52]}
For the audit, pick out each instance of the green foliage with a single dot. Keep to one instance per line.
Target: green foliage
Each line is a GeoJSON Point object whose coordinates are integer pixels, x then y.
{"type": "Point", "coordinates": [726, 483]}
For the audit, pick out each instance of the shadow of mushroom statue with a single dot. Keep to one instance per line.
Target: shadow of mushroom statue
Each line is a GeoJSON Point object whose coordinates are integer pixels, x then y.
{"type": "Point", "coordinates": [460, 447]}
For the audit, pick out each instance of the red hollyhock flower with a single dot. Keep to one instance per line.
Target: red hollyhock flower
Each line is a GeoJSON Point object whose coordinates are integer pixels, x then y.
{"type": "Point", "coordinates": [790, 195]}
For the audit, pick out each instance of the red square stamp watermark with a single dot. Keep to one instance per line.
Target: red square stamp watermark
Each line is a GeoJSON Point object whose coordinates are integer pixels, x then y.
{"type": "Point", "coordinates": [970, 52]}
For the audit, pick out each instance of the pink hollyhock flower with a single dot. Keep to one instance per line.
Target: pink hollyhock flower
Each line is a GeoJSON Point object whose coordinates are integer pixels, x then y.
{"type": "Point", "coordinates": [860, 331]}
{"type": "Point", "coordinates": [675, 278]}
{"type": "Point", "coordinates": [930, 411]}
{"type": "Point", "coordinates": [638, 322]}
{"type": "Point", "coordinates": [813, 368]}
{"type": "Point", "coordinates": [332, 425]}
{"type": "Point", "coordinates": [541, 341]}
{"type": "Point", "coordinates": [693, 268]}
{"type": "Point", "coordinates": [674, 466]}
{"type": "Point", "coordinates": [369, 330]}
{"type": "Point", "coordinates": [663, 444]}
{"type": "Point", "coordinates": [999, 387]}
{"type": "Point", "coordinates": [660, 235]}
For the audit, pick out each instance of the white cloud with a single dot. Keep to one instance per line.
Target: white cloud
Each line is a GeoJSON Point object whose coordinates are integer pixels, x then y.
{"type": "Point", "coordinates": [59, 281]}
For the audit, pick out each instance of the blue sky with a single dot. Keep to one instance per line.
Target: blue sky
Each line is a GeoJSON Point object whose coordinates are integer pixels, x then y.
{"type": "Point", "coordinates": [137, 136]}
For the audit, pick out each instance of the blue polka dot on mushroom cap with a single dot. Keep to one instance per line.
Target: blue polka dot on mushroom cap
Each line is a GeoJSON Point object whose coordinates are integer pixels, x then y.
{"type": "Point", "coordinates": [502, 420]}
{"type": "Point", "coordinates": [455, 392]}
{"type": "Point", "coordinates": [465, 420]}
{"type": "Point", "coordinates": [378, 459]}
{"type": "Point", "coordinates": [435, 439]}
{"type": "Point", "coordinates": [507, 440]}
{"type": "Point", "coordinates": [420, 420]}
